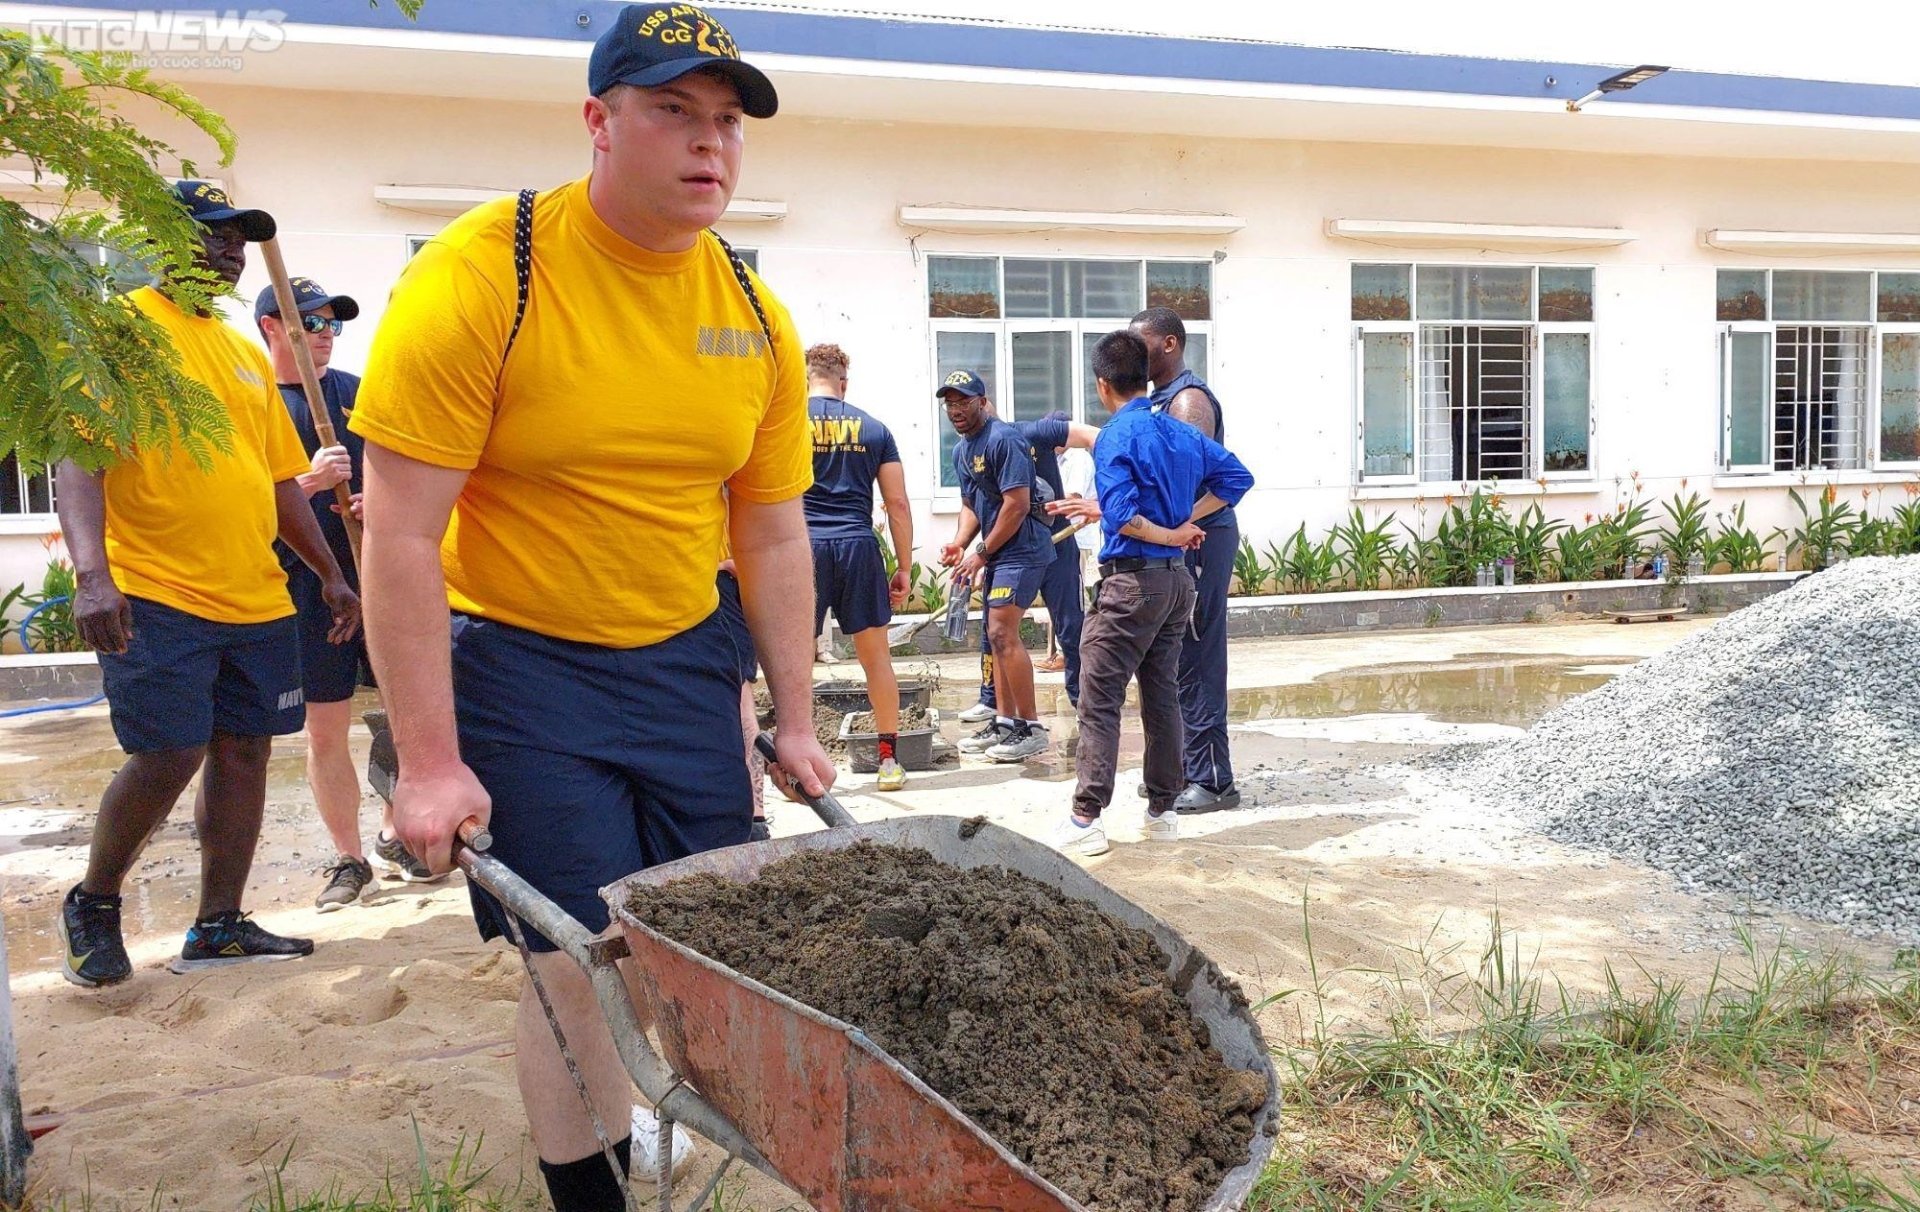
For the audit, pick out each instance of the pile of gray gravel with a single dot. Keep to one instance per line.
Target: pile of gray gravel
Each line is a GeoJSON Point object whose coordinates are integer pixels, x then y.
{"type": "Point", "coordinates": [1774, 755]}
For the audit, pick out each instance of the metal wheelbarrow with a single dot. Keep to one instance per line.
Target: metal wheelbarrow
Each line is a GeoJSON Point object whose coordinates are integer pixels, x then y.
{"type": "Point", "coordinates": [810, 1100]}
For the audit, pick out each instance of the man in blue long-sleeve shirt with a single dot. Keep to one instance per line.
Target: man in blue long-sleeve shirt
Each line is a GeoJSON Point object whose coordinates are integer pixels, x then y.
{"type": "Point", "coordinates": [1156, 476]}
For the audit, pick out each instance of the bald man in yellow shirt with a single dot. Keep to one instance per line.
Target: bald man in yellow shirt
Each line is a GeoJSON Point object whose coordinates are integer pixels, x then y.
{"type": "Point", "coordinates": [180, 592]}
{"type": "Point", "coordinates": [561, 390]}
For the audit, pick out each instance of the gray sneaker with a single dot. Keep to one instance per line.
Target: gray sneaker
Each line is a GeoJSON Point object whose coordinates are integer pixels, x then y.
{"type": "Point", "coordinates": [396, 863]}
{"type": "Point", "coordinates": [979, 713]}
{"type": "Point", "coordinates": [1025, 741]}
{"type": "Point", "coordinates": [986, 738]}
{"type": "Point", "coordinates": [346, 880]}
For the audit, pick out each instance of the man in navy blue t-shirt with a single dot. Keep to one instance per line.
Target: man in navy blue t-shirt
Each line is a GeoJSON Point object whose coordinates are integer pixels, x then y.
{"type": "Point", "coordinates": [1184, 396]}
{"type": "Point", "coordinates": [851, 452]}
{"type": "Point", "coordinates": [994, 465]}
{"type": "Point", "coordinates": [1060, 588]}
{"type": "Point", "coordinates": [330, 673]}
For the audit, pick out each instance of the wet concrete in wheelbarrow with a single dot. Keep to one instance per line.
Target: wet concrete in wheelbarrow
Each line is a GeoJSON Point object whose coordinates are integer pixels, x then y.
{"type": "Point", "coordinates": [1052, 1026]}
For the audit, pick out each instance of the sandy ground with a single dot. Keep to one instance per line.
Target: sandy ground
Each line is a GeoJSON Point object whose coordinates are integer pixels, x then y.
{"type": "Point", "coordinates": [198, 1089]}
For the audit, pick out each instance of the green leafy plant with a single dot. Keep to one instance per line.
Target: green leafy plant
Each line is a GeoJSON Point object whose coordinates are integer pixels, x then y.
{"type": "Point", "coordinates": [1576, 552]}
{"type": "Point", "coordinates": [1249, 573]}
{"type": "Point", "coordinates": [1534, 539]}
{"type": "Point", "coordinates": [1823, 533]}
{"type": "Point", "coordinates": [1686, 532]}
{"type": "Point", "coordinates": [1365, 552]}
{"type": "Point", "coordinates": [1736, 544]}
{"type": "Point", "coordinates": [1472, 532]}
{"type": "Point", "coordinates": [1303, 566]}
{"type": "Point", "coordinates": [1621, 536]}
{"type": "Point", "coordinates": [52, 628]}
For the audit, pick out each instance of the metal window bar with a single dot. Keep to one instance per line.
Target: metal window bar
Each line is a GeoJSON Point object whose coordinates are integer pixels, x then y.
{"type": "Point", "coordinates": [1820, 385]}
{"type": "Point", "coordinates": [1475, 420]}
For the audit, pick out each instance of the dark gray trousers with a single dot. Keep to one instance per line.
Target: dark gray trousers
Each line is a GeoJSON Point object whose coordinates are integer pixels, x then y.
{"type": "Point", "coordinates": [1134, 629]}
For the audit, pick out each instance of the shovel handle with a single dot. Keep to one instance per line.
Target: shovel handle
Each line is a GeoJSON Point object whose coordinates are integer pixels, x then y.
{"type": "Point", "coordinates": [824, 806]}
{"type": "Point", "coordinates": [474, 836]}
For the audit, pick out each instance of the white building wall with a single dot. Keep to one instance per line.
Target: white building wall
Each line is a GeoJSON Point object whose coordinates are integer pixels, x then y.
{"type": "Point", "coordinates": [1282, 360]}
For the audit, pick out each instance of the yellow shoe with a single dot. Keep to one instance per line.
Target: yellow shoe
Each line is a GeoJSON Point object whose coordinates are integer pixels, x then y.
{"type": "Point", "coordinates": [892, 777]}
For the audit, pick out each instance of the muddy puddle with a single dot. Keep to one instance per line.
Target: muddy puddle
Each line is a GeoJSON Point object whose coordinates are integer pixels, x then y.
{"type": "Point", "coordinates": [1478, 688]}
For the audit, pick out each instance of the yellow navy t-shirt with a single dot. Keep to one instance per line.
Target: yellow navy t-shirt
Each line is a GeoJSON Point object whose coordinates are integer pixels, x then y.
{"type": "Point", "coordinates": [202, 541]}
{"type": "Point", "coordinates": [639, 387]}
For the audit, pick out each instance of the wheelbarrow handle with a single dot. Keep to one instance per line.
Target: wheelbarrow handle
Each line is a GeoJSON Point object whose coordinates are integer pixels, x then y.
{"type": "Point", "coordinates": [474, 836]}
{"type": "Point", "coordinates": [824, 806]}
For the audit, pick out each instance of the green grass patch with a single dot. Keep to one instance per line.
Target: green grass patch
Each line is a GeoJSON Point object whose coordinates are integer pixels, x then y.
{"type": "Point", "coordinates": [1786, 1081]}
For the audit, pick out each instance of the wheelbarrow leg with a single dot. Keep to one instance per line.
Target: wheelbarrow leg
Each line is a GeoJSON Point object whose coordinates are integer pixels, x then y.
{"type": "Point", "coordinates": [671, 1097]}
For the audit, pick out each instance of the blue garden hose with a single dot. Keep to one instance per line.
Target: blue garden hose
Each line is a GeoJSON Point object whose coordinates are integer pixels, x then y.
{"type": "Point", "coordinates": [27, 644]}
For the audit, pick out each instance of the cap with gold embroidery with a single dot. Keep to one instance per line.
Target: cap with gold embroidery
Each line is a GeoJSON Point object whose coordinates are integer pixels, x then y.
{"type": "Point", "coordinates": [651, 44]}
{"type": "Point", "coordinates": [964, 383]}
{"type": "Point", "coordinates": [208, 203]}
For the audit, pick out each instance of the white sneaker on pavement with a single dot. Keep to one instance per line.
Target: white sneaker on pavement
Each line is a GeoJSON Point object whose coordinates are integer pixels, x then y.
{"type": "Point", "coordinates": [646, 1144]}
{"type": "Point", "coordinates": [1162, 828]}
{"type": "Point", "coordinates": [1083, 841]}
{"type": "Point", "coordinates": [979, 713]}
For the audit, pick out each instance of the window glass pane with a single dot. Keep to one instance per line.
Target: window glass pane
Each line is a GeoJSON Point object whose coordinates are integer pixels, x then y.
{"type": "Point", "coordinates": [1107, 288]}
{"type": "Point", "coordinates": [1185, 286]}
{"type": "Point", "coordinates": [1382, 292]}
{"type": "Point", "coordinates": [1899, 298]}
{"type": "Point", "coordinates": [960, 351]}
{"type": "Point", "coordinates": [1386, 404]}
{"type": "Point", "coordinates": [1811, 294]}
{"type": "Point", "coordinates": [1197, 353]}
{"type": "Point", "coordinates": [10, 502]}
{"type": "Point", "coordinates": [963, 288]}
{"type": "Point", "coordinates": [1743, 294]}
{"type": "Point", "coordinates": [1900, 396]}
{"type": "Point", "coordinates": [40, 493]}
{"type": "Point", "coordinates": [1037, 289]}
{"type": "Point", "coordinates": [1042, 375]}
{"type": "Point", "coordinates": [1093, 412]}
{"type": "Point", "coordinates": [1566, 295]}
{"type": "Point", "coordinates": [1751, 393]}
{"type": "Point", "coordinates": [1071, 290]}
{"type": "Point", "coordinates": [1567, 395]}
{"type": "Point", "coordinates": [750, 257]}
{"type": "Point", "coordinates": [1474, 292]}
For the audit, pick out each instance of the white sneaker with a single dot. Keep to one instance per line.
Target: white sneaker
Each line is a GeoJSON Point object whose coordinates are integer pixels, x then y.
{"type": "Point", "coordinates": [1021, 745]}
{"type": "Point", "coordinates": [891, 776]}
{"type": "Point", "coordinates": [1162, 828]}
{"type": "Point", "coordinates": [979, 713]}
{"type": "Point", "coordinates": [646, 1144]}
{"type": "Point", "coordinates": [1085, 841]}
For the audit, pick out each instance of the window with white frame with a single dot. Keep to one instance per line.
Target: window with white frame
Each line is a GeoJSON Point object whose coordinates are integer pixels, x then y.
{"type": "Point", "coordinates": [1466, 373]}
{"type": "Point", "coordinates": [1819, 370]}
{"type": "Point", "coordinates": [1027, 326]}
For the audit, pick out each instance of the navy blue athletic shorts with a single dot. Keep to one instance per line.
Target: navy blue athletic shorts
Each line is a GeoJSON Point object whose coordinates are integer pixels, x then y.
{"type": "Point", "coordinates": [600, 761]}
{"type": "Point", "coordinates": [735, 616]}
{"type": "Point", "coordinates": [329, 672]}
{"type": "Point", "coordinates": [184, 678]}
{"type": "Point", "coordinates": [850, 576]}
{"type": "Point", "coordinates": [1015, 585]}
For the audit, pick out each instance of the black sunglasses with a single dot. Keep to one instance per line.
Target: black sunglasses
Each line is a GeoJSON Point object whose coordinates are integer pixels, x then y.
{"type": "Point", "coordinates": [316, 324]}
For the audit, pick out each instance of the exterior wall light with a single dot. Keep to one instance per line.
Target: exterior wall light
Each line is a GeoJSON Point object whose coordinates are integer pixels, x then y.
{"type": "Point", "coordinates": [1618, 84]}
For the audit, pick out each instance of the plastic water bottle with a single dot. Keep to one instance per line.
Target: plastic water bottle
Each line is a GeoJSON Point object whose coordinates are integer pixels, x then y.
{"type": "Point", "coordinates": [1506, 570]}
{"type": "Point", "coordinates": [1659, 565]}
{"type": "Point", "coordinates": [956, 624]}
{"type": "Point", "coordinates": [1696, 565]}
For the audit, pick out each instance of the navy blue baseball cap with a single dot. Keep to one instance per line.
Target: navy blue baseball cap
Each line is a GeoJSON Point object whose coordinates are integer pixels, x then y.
{"type": "Point", "coordinates": [208, 203]}
{"type": "Point", "coordinates": [308, 295]}
{"type": "Point", "coordinates": [651, 44]}
{"type": "Point", "coordinates": [963, 381]}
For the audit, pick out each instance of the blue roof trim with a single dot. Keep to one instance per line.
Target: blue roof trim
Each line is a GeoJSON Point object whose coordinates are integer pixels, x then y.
{"type": "Point", "coordinates": [877, 39]}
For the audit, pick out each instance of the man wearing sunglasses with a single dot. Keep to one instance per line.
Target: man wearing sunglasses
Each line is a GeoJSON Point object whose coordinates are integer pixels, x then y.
{"type": "Point", "coordinates": [329, 672]}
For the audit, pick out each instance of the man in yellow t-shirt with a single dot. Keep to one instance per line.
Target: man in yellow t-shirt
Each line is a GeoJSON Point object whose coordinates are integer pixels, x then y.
{"type": "Point", "coordinates": [557, 478]}
{"type": "Point", "coordinates": [179, 591]}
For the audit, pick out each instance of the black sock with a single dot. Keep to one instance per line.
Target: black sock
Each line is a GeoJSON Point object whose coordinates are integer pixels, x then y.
{"type": "Point", "coordinates": [588, 1185]}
